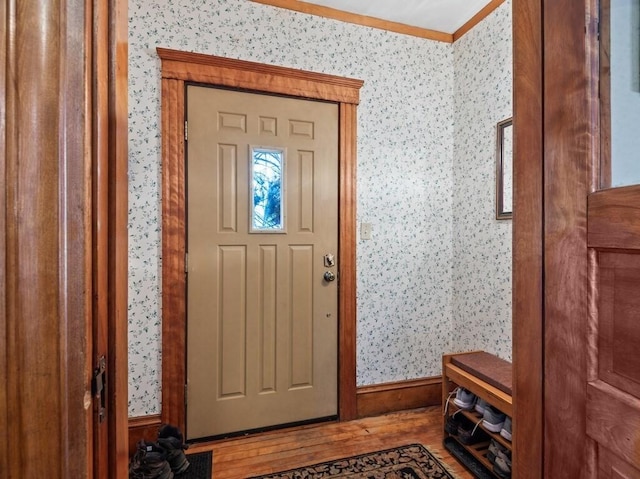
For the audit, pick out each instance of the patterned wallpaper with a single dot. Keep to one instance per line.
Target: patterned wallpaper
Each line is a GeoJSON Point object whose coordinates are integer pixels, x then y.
{"type": "Point", "coordinates": [481, 244]}
{"type": "Point", "coordinates": [405, 177]}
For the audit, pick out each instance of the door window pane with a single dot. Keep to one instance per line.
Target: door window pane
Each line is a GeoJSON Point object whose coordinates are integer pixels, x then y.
{"type": "Point", "coordinates": [267, 190]}
{"type": "Point", "coordinates": [625, 91]}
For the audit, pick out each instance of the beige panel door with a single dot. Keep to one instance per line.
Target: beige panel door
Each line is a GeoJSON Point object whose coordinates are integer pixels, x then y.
{"type": "Point", "coordinates": [261, 317]}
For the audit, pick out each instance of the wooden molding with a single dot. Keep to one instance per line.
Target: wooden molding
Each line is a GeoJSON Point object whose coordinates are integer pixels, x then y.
{"type": "Point", "coordinates": [212, 70]}
{"type": "Point", "coordinates": [179, 68]}
{"type": "Point", "coordinates": [373, 22]}
{"type": "Point", "coordinates": [144, 427]}
{"type": "Point", "coordinates": [571, 158]}
{"type": "Point", "coordinates": [528, 240]}
{"type": "Point", "coordinates": [477, 18]}
{"type": "Point", "coordinates": [399, 396]}
{"type": "Point", "coordinates": [363, 20]}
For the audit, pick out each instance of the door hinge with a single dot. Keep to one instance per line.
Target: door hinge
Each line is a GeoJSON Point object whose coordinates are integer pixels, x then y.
{"type": "Point", "coordinates": [99, 387]}
{"type": "Point", "coordinates": [185, 395]}
{"type": "Point", "coordinates": [186, 262]}
{"type": "Point", "coordinates": [186, 130]}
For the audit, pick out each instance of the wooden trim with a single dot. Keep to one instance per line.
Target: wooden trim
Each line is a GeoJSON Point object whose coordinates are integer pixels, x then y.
{"type": "Point", "coordinates": [399, 396]}
{"type": "Point", "coordinates": [212, 70]}
{"type": "Point", "coordinates": [46, 279]}
{"type": "Point", "coordinates": [178, 68]}
{"type": "Point", "coordinates": [109, 115]}
{"type": "Point", "coordinates": [605, 93]}
{"type": "Point", "coordinates": [612, 223]}
{"type": "Point", "coordinates": [571, 163]}
{"type": "Point", "coordinates": [173, 255]}
{"type": "Point", "coordinates": [99, 113]}
{"type": "Point", "coordinates": [528, 233]}
{"type": "Point", "coordinates": [357, 19]}
{"type": "Point", "coordinates": [477, 18]}
{"type": "Point", "coordinates": [7, 111]}
{"type": "Point", "coordinates": [347, 273]}
{"type": "Point", "coordinates": [144, 427]}
{"type": "Point", "coordinates": [118, 236]}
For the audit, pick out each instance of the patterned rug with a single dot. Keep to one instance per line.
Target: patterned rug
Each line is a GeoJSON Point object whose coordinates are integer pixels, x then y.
{"type": "Point", "coordinates": [407, 462]}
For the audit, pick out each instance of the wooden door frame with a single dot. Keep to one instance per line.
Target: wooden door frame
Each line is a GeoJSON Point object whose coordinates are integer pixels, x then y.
{"type": "Point", "coordinates": [180, 68]}
{"type": "Point", "coordinates": [528, 240]}
{"type": "Point", "coordinates": [63, 237]}
{"type": "Point", "coordinates": [556, 164]}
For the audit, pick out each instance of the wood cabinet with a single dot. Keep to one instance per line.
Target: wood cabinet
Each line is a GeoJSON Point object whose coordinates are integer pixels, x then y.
{"type": "Point", "coordinates": [489, 378]}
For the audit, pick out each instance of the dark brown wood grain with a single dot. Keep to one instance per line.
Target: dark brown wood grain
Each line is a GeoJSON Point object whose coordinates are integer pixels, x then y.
{"type": "Point", "coordinates": [528, 231]}
{"type": "Point", "coordinates": [46, 241]}
{"type": "Point", "coordinates": [614, 218]}
{"type": "Point", "coordinates": [605, 93]}
{"type": "Point", "coordinates": [570, 166]}
{"type": "Point", "coordinates": [178, 68]}
{"type": "Point", "coordinates": [63, 213]}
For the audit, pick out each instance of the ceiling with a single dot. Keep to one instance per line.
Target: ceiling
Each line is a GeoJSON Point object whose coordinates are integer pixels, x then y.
{"type": "Point", "coordinates": [440, 15]}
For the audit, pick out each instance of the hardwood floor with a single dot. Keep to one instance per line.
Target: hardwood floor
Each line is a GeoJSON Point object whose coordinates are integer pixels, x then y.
{"type": "Point", "coordinates": [274, 451]}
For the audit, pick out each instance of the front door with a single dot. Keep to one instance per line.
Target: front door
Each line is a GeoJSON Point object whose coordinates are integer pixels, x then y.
{"type": "Point", "coordinates": [262, 235]}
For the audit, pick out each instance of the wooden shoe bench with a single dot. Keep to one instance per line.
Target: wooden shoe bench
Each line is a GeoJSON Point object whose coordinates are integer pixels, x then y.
{"type": "Point", "coordinates": [488, 377]}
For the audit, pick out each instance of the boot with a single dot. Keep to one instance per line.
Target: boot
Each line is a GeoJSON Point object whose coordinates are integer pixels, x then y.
{"type": "Point", "coordinates": [171, 440]}
{"type": "Point", "coordinates": [149, 462]}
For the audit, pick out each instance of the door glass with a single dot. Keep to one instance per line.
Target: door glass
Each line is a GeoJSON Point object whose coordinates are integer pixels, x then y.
{"type": "Point", "coordinates": [267, 213]}
{"type": "Point", "coordinates": [624, 79]}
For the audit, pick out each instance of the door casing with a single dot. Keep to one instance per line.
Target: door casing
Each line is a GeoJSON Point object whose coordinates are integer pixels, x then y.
{"type": "Point", "coordinates": [180, 68]}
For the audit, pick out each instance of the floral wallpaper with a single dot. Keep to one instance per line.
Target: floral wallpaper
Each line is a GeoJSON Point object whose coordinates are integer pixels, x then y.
{"type": "Point", "coordinates": [405, 174]}
{"type": "Point", "coordinates": [481, 244]}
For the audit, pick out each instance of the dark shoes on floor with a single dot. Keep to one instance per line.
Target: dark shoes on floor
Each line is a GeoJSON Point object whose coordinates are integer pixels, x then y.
{"type": "Point", "coordinates": [161, 459]}
{"type": "Point", "coordinates": [170, 439]}
{"type": "Point", "coordinates": [149, 462]}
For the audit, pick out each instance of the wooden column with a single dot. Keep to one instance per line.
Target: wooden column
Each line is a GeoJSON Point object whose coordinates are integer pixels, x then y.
{"type": "Point", "coordinates": [46, 231]}
{"type": "Point", "coordinates": [528, 237]}
{"type": "Point", "coordinates": [63, 251]}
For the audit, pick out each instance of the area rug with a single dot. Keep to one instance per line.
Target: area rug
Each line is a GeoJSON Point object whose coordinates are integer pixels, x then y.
{"type": "Point", "coordinates": [407, 462]}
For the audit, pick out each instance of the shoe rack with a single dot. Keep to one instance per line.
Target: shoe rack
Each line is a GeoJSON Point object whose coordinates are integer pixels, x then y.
{"type": "Point", "coordinates": [489, 378]}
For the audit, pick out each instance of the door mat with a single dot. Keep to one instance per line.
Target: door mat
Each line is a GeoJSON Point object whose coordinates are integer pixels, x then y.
{"type": "Point", "coordinates": [200, 466]}
{"type": "Point", "coordinates": [407, 462]}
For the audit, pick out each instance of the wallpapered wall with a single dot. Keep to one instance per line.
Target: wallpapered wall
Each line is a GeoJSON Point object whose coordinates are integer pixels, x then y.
{"type": "Point", "coordinates": [405, 174]}
{"type": "Point", "coordinates": [481, 244]}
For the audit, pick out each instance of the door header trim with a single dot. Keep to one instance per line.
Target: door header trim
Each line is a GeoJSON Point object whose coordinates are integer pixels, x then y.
{"type": "Point", "coordinates": [210, 69]}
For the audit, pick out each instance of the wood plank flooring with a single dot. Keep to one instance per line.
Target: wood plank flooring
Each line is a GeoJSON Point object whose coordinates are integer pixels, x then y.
{"type": "Point", "coordinates": [275, 451]}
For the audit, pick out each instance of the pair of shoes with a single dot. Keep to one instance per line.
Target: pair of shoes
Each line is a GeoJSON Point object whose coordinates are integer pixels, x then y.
{"type": "Point", "coordinates": [469, 433]}
{"type": "Point", "coordinates": [149, 462]}
{"type": "Point", "coordinates": [481, 405]}
{"type": "Point", "coordinates": [500, 457]}
{"type": "Point", "coordinates": [506, 429]}
{"type": "Point", "coordinates": [464, 399]}
{"type": "Point", "coordinates": [170, 438]}
{"type": "Point", "coordinates": [497, 450]}
{"type": "Point", "coordinates": [452, 423]}
{"type": "Point", "coordinates": [161, 459]}
{"type": "Point", "coordinates": [493, 419]}
{"type": "Point", "coordinates": [502, 467]}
